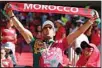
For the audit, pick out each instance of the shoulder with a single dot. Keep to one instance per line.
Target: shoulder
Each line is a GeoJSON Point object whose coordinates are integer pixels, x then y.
{"type": "Point", "coordinates": [32, 41]}
{"type": "Point", "coordinates": [62, 28]}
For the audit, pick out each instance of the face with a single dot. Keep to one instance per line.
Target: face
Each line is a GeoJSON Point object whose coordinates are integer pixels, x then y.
{"type": "Point", "coordinates": [39, 28]}
{"type": "Point", "coordinates": [87, 52]}
{"type": "Point", "coordinates": [57, 24]}
{"type": "Point", "coordinates": [48, 32]}
{"type": "Point", "coordinates": [3, 53]}
{"type": "Point", "coordinates": [7, 50]}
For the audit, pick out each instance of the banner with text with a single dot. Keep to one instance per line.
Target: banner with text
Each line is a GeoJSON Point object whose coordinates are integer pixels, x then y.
{"type": "Point", "coordinates": [26, 7]}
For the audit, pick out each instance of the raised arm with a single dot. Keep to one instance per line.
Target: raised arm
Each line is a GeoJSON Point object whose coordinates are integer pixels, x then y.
{"type": "Point", "coordinates": [24, 32]}
{"type": "Point", "coordinates": [80, 30]}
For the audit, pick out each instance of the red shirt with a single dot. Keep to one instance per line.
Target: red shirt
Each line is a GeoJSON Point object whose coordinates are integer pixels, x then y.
{"type": "Point", "coordinates": [59, 33]}
{"type": "Point", "coordinates": [83, 59]}
{"type": "Point", "coordinates": [95, 38]}
{"type": "Point", "coordinates": [8, 32]}
{"type": "Point", "coordinates": [92, 61]}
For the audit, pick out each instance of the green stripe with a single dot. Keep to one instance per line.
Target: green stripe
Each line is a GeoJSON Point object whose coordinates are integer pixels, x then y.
{"type": "Point", "coordinates": [36, 57]}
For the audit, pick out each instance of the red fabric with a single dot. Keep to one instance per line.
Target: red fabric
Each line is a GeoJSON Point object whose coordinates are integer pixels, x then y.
{"type": "Point", "coordinates": [36, 22]}
{"type": "Point", "coordinates": [95, 38]}
{"type": "Point", "coordinates": [59, 33]}
{"type": "Point", "coordinates": [92, 61]}
{"type": "Point", "coordinates": [8, 32]}
{"type": "Point", "coordinates": [24, 7]}
{"type": "Point", "coordinates": [65, 59]}
{"type": "Point", "coordinates": [6, 63]}
{"type": "Point", "coordinates": [83, 59]}
{"type": "Point", "coordinates": [25, 58]}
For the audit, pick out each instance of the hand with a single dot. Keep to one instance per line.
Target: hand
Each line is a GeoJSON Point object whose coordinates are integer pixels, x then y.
{"type": "Point", "coordinates": [95, 16]}
{"type": "Point", "coordinates": [93, 19]}
{"type": "Point", "coordinates": [8, 9]}
{"type": "Point", "coordinates": [6, 6]}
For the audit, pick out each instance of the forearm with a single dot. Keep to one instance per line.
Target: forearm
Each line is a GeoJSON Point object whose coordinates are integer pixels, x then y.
{"type": "Point", "coordinates": [78, 32]}
{"type": "Point", "coordinates": [17, 24]}
{"type": "Point", "coordinates": [24, 32]}
{"type": "Point", "coordinates": [83, 28]}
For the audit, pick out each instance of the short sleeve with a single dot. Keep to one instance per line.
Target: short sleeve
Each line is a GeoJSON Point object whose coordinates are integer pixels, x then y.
{"type": "Point", "coordinates": [32, 41]}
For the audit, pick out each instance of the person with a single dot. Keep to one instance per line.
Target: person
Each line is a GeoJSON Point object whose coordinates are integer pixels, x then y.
{"type": "Point", "coordinates": [5, 62]}
{"type": "Point", "coordinates": [38, 32]}
{"type": "Point", "coordinates": [90, 56]}
{"type": "Point", "coordinates": [9, 35]}
{"type": "Point", "coordinates": [60, 33]}
{"type": "Point", "coordinates": [74, 57]}
{"type": "Point", "coordinates": [50, 54]}
{"type": "Point", "coordinates": [95, 36]}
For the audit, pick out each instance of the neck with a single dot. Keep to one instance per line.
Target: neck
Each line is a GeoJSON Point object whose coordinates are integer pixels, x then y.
{"type": "Point", "coordinates": [51, 39]}
{"type": "Point", "coordinates": [9, 27]}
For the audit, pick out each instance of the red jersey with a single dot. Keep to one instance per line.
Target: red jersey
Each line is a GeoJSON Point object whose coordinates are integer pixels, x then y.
{"type": "Point", "coordinates": [55, 55]}
{"type": "Point", "coordinates": [10, 33]}
{"type": "Point", "coordinates": [60, 33]}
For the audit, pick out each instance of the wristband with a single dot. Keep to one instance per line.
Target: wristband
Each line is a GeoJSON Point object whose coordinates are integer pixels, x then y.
{"type": "Point", "coordinates": [12, 17]}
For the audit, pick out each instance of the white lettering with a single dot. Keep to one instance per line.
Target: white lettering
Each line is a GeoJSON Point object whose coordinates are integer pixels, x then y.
{"type": "Point", "coordinates": [27, 6]}
{"type": "Point", "coordinates": [36, 6]}
{"type": "Point", "coordinates": [44, 7]}
{"type": "Point", "coordinates": [59, 8]}
{"type": "Point", "coordinates": [74, 10]}
{"type": "Point", "coordinates": [52, 7]}
{"type": "Point", "coordinates": [66, 9]}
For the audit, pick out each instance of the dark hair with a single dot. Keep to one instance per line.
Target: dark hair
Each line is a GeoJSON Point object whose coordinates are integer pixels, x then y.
{"type": "Point", "coordinates": [78, 50]}
{"type": "Point", "coordinates": [84, 45]}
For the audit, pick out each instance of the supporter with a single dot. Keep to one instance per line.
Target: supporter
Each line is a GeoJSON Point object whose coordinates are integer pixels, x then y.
{"type": "Point", "coordinates": [95, 36]}
{"type": "Point", "coordinates": [39, 35]}
{"type": "Point", "coordinates": [61, 32]}
{"type": "Point", "coordinates": [90, 56]}
{"type": "Point", "coordinates": [5, 62]}
{"type": "Point", "coordinates": [9, 35]}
